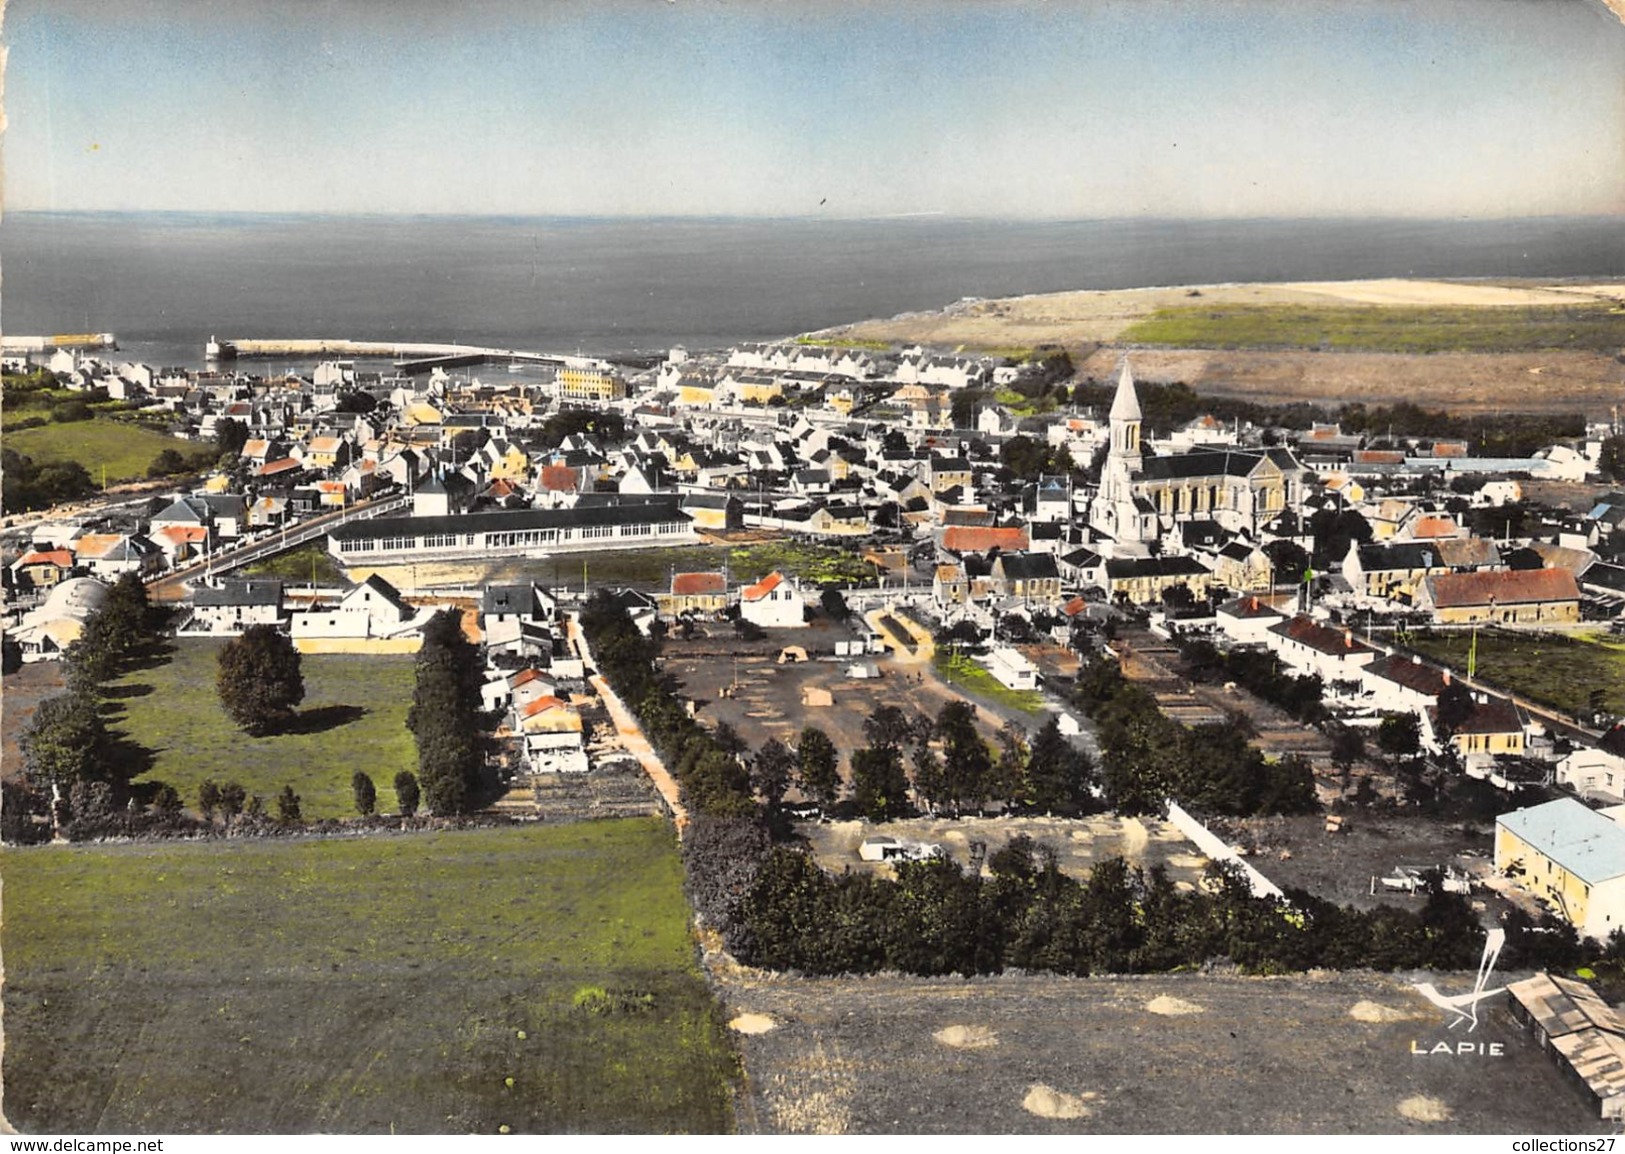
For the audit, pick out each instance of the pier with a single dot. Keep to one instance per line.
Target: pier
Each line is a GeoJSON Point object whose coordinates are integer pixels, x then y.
{"type": "Point", "coordinates": [84, 341]}
{"type": "Point", "coordinates": [409, 356]}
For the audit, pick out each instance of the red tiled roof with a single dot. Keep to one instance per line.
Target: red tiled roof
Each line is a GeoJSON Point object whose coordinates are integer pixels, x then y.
{"type": "Point", "coordinates": [1321, 638]}
{"type": "Point", "coordinates": [691, 584]}
{"type": "Point", "coordinates": [1434, 526]}
{"type": "Point", "coordinates": [559, 478]}
{"type": "Point", "coordinates": [281, 466]}
{"type": "Point", "coordinates": [1506, 587]}
{"type": "Point", "coordinates": [979, 539]}
{"type": "Point", "coordinates": [542, 705]}
{"type": "Point", "coordinates": [61, 558]}
{"type": "Point", "coordinates": [763, 587]}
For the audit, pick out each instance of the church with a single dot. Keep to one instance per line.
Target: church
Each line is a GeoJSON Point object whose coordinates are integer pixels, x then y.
{"type": "Point", "coordinates": [1141, 497]}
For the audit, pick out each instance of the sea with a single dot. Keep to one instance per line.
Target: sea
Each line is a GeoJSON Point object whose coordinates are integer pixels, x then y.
{"type": "Point", "coordinates": [166, 282]}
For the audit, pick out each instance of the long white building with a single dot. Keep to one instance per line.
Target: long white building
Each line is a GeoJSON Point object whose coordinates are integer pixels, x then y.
{"type": "Point", "coordinates": [645, 521]}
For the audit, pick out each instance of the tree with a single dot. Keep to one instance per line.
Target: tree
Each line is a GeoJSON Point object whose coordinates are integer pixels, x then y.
{"type": "Point", "coordinates": [1058, 774]}
{"type": "Point", "coordinates": [967, 766]}
{"type": "Point", "coordinates": [365, 793]}
{"type": "Point", "coordinates": [889, 726]}
{"type": "Point", "coordinates": [287, 806]}
{"type": "Point", "coordinates": [817, 768]}
{"type": "Point", "coordinates": [879, 786]}
{"type": "Point", "coordinates": [259, 679]}
{"type": "Point", "coordinates": [1611, 461]}
{"type": "Point", "coordinates": [1348, 747]}
{"type": "Point", "coordinates": [230, 435]}
{"type": "Point", "coordinates": [66, 742]}
{"type": "Point", "coordinates": [406, 792]}
{"type": "Point", "coordinates": [208, 798]}
{"type": "Point", "coordinates": [1455, 707]}
{"type": "Point", "coordinates": [1400, 736]}
{"type": "Point", "coordinates": [233, 797]}
{"type": "Point", "coordinates": [167, 463]}
{"type": "Point", "coordinates": [770, 771]}
{"type": "Point", "coordinates": [445, 717]}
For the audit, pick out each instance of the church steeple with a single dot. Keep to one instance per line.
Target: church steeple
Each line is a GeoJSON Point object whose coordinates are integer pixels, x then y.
{"type": "Point", "coordinates": [1125, 420]}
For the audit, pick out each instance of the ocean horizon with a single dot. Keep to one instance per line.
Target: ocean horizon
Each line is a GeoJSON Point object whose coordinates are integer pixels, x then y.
{"type": "Point", "coordinates": [165, 281]}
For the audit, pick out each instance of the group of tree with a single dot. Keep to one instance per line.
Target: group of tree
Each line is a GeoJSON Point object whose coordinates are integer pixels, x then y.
{"type": "Point", "coordinates": [1261, 674]}
{"type": "Point", "coordinates": [31, 486]}
{"type": "Point", "coordinates": [259, 679]}
{"type": "Point", "coordinates": [235, 806]}
{"type": "Point", "coordinates": [446, 720]}
{"type": "Point", "coordinates": [75, 769]}
{"type": "Point", "coordinates": [937, 918]}
{"type": "Point", "coordinates": [1148, 758]}
{"type": "Point", "coordinates": [715, 778]}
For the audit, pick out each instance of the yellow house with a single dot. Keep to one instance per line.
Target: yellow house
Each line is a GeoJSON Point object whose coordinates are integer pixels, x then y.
{"type": "Point", "coordinates": [1569, 856]}
{"type": "Point", "coordinates": [697, 393]}
{"type": "Point", "coordinates": [754, 390]}
{"type": "Point", "coordinates": [511, 465]}
{"type": "Point", "coordinates": [1508, 597]}
{"type": "Point", "coordinates": [1495, 727]}
{"type": "Point", "coordinates": [595, 384]}
{"type": "Point", "coordinates": [842, 401]}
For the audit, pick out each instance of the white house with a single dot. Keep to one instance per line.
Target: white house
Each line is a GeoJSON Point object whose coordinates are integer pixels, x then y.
{"type": "Point", "coordinates": [1593, 773]}
{"type": "Point", "coordinates": [233, 606]}
{"type": "Point", "coordinates": [774, 602]}
{"type": "Point", "coordinates": [373, 610]}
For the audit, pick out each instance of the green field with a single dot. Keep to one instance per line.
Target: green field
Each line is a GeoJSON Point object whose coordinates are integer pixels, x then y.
{"type": "Point", "coordinates": [1551, 668]}
{"type": "Point", "coordinates": [124, 449]}
{"type": "Point", "coordinates": [297, 566]}
{"type": "Point", "coordinates": [424, 983]}
{"type": "Point", "coordinates": [1383, 329]}
{"type": "Point", "coordinates": [961, 671]}
{"type": "Point", "coordinates": [651, 569]}
{"type": "Point", "coordinates": [354, 717]}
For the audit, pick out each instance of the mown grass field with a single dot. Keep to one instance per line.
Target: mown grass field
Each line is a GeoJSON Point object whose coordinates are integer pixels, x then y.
{"type": "Point", "coordinates": [353, 717]}
{"type": "Point", "coordinates": [124, 449]}
{"type": "Point", "coordinates": [1383, 329]}
{"type": "Point", "coordinates": [1552, 668]}
{"type": "Point", "coordinates": [421, 983]}
{"type": "Point", "coordinates": [297, 566]}
{"type": "Point", "coordinates": [963, 673]}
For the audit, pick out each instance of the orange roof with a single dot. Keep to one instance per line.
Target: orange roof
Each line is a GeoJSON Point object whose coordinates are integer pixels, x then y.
{"type": "Point", "coordinates": [542, 705]}
{"type": "Point", "coordinates": [184, 534]}
{"type": "Point", "coordinates": [763, 587]}
{"type": "Point", "coordinates": [330, 486]}
{"type": "Point", "coordinates": [1075, 606]}
{"type": "Point", "coordinates": [1433, 526]}
{"type": "Point", "coordinates": [281, 466]}
{"type": "Point", "coordinates": [979, 539]}
{"type": "Point", "coordinates": [559, 477]}
{"type": "Point", "coordinates": [499, 488]}
{"type": "Point", "coordinates": [61, 558]}
{"type": "Point", "coordinates": [523, 677]}
{"type": "Point", "coordinates": [93, 545]}
{"type": "Point", "coordinates": [691, 584]}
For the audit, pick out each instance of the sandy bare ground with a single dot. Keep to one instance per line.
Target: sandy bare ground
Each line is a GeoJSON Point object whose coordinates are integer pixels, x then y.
{"type": "Point", "coordinates": [1548, 381]}
{"type": "Point", "coordinates": [886, 1055]}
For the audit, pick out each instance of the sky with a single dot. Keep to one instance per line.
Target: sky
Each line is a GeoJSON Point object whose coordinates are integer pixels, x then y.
{"type": "Point", "coordinates": [1066, 109]}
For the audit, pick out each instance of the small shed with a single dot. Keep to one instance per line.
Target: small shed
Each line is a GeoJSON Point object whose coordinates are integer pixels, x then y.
{"type": "Point", "coordinates": [813, 696]}
{"type": "Point", "coordinates": [881, 847]}
{"type": "Point", "coordinates": [1583, 1033]}
{"type": "Point", "coordinates": [862, 670]}
{"type": "Point", "coordinates": [791, 654]}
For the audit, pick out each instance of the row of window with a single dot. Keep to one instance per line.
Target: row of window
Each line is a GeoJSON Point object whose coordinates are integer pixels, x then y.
{"type": "Point", "coordinates": [509, 540]}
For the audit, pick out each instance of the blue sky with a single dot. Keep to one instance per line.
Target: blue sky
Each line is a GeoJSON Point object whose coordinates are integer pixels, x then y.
{"type": "Point", "coordinates": [1061, 109]}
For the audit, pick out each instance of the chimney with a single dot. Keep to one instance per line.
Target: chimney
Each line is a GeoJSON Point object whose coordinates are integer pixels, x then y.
{"type": "Point", "coordinates": [1447, 677]}
{"type": "Point", "coordinates": [1348, 639]}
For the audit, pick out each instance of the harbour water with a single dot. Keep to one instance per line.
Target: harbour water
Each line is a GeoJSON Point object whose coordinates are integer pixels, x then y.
{"type": "Point", "coordinates": [165, 282]}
